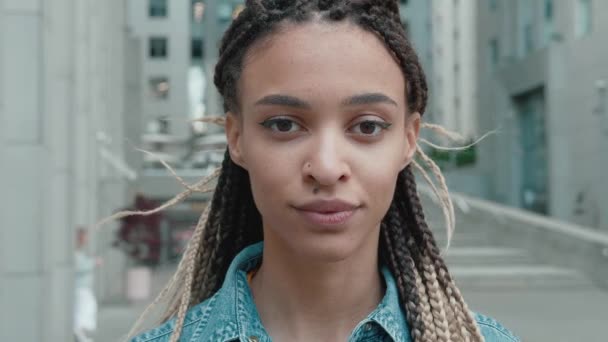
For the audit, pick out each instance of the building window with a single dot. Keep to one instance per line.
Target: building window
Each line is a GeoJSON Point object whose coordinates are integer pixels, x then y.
{"type": "Point", "coordinates": [157, 8]}
{"type": "Point", "coordinates": [198, 11]}
{"type": "Point", "coordinates": [548, 10]}
{"type": "Point", "coordinates": [548, 23]}
{"type": "Point", "coordinates": [159, 125]}
{"type": "Point", "coordinates": [158, 47]}
{"type": "Point", "coordinates": [494, 53]}
{"type": "Point", "coordinates": [159, 87]}
{"type": "Point", "coordinates": [225, 12]}
{"type": "Point", "coordinates": [493, 4]}
{"type": "Point", "coordinates": [583, 14]}
{"type": "Point", "coordinates": [197, 47]}
{"type": "Point", "coordinates": [528, 38]}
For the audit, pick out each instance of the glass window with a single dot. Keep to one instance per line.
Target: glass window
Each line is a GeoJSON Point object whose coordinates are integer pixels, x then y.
{"type": "Point", "coordinates": [198, 11]}
{"type": "Point", "coordinates": [197, 48]}
{"type": "Point", "coordinates": [493, 4]}
{"type": "Point", "coordinates": [583, 14]}
{"type": "Point", "coordinates": [528, 38]}
{"type": "Point", "coordinates": [225, 12]}
{"type": "Point", "coordinates": [548, 24]}
{"type": "Point", "coordinates": [159, 87]}
{"type": "Point", "coordinates": [158, 47]}
{"type": "Point", "coordinates": [494, 53]}
{"type": "Point", "coordinates": [157, 8]}
{"type": "Point", "coordinates": [548, 10]}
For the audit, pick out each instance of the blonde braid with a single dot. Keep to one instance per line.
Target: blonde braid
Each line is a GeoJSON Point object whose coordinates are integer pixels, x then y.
{"type": "Point", "coordinates": [436, 300]}
{"type": "Point", "coordinates": [426, 312]}
{"type": "Point", "coordinates": [471, 327]}
{"type": "Point", "coordinates": [191, 253]}
{"type": "Point", "coordinates": [465, 321]}
{"type": "Point", "coordinates": [178, 275]}
{"type": "Point", "coordinates": [440, 130]}
{"type": "Point", "coordinates": [445, 198]}
{"type": "Point", "coordinates": [200, 186]}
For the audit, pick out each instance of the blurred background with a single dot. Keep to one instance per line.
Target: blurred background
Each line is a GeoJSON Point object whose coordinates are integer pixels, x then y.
{"type": "Point", "coordinates": [84, 83]}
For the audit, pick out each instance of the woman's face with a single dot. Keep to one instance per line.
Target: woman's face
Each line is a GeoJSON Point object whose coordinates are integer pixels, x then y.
{"type": "Point", "coordinates": [322, 107]}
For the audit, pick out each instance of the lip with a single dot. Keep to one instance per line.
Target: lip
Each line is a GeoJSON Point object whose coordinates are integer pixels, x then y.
{"type": "Point", "coordinates": [327, 212]}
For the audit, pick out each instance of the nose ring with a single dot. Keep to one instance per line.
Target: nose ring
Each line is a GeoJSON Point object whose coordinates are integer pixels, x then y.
{"type": "Point", "coordinates": [315, 189]}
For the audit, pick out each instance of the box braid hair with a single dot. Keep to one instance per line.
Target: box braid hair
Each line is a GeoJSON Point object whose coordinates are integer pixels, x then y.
{"type": "Point", "coordinates": [434, 307]}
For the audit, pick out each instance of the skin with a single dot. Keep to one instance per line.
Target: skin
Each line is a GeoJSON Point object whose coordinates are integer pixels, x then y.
{"type": "Point", "coordinates": [317, 282]}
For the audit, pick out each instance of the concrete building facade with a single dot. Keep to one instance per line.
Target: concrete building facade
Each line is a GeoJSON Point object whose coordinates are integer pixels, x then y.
{"type": "Point", "coordinates": [416, 18]}
{"type": "Point", "coordinates": [453, 72]}
{"type": "Point", "coordinates": [443, 34]}
{"type": "Point", "coordinates": [194, 29]}
{"type": "Point", "coordinates": [164, 29]}
{"type": "Point", "coordinates": [63, 109]}
{"type": "Point", "coordinates": [543, 67]}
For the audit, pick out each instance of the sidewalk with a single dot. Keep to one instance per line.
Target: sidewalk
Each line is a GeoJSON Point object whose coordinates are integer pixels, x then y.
{"type": "Point", "coordinates": [115, 321]}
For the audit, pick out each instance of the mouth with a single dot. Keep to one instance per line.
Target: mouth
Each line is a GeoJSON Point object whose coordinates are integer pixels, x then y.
{"type": "Point", "coordinates": [327, 212]}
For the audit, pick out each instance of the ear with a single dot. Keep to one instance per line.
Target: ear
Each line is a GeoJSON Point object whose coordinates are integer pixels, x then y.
{"type": "Point", "coordinates": [234, 128]}
{"type": "Point", "coordinates": [412, 131]}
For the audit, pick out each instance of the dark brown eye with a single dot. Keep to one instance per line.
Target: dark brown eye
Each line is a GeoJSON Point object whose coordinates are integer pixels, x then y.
{"type": "Point", "coordinates": [284, 125]}
{"type": "Point", "coordinates": [281, 125]}
{"type": "Point", "coordinates": [370, 127]}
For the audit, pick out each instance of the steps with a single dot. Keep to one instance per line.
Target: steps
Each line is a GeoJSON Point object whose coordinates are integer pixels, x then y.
{"type": "Point", "coordinates": [476, 264]}
{"type": "Point", "coordinates": [486, 256]}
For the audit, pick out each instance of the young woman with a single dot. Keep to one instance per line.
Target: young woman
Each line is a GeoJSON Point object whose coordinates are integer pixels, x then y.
{"type": "Point", "coordinates": [316, 231]}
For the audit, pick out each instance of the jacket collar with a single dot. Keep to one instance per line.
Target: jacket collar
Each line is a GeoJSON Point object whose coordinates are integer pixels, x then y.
{"type": "Point", "coordinates": [236, 293]}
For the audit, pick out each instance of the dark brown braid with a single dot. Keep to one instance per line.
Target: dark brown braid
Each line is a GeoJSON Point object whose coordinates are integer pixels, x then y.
{"type": "Point", "coordinates": [435, 310]}
{"type": "Point", "coordinates": [232, 209]}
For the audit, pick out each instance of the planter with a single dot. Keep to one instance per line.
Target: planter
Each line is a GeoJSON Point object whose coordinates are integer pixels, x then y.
{"type": "Point", "coordinates": [139, 283]}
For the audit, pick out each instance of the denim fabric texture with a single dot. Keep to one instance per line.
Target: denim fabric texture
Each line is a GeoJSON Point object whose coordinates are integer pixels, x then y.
{"type": "Point", "coordinates": [231, 314]}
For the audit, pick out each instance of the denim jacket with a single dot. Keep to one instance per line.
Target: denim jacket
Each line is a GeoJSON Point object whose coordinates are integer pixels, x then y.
{"type": "Point", "coordinates": [230, 315]}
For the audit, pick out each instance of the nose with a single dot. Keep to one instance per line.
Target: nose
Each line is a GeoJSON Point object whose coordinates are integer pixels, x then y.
{"type": "Point", "coordinates": [327, 163]}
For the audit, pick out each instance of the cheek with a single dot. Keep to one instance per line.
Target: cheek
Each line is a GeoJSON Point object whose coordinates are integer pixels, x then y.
{"type": "Point", "coordinates": [272, 172]}
{"type": "Point", "coordinates": [379, 179]}
{"type": "Point", "coordinates": [378, 176]}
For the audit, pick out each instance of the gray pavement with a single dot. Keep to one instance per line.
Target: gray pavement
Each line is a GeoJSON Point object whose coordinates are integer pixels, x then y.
{"type": "Point", "coordinates": [565, 315]}
{"type": "Point", "coordinates": [115, 321]}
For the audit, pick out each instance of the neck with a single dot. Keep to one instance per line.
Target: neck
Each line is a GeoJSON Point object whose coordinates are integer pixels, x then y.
{"type": "Point", "coordinates": [303, 300]}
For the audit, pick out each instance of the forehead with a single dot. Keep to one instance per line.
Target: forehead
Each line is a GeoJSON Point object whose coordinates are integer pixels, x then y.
{"type": "Point", "coordinates": [321, 61]}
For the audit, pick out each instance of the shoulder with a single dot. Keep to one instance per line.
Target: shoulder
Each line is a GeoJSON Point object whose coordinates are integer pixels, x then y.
{"type": "Point", "coordinates": [493, 331]}
{"type": "Point", "coordinates": [197, 318]}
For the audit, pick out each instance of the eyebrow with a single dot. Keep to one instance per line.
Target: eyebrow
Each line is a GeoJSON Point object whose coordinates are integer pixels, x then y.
{"type": "Point", "coordinates": [356, 100]}
{"type": "Point", "coordinates": [368, 98]}
{"type": "Point", "coordinates": [283, 100]}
